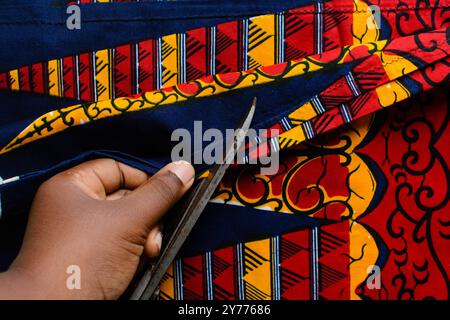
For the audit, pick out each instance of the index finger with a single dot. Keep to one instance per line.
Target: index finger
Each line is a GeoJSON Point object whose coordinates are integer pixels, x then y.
{"type": "Point", "coordinates": [101, 177]}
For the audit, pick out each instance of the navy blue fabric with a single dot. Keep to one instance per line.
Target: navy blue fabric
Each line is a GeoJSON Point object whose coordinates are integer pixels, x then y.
{"type": "Point", "coordinates": [141, 140]}
{"type": "Point", "coordinates": [35, 32]}
{"type": "Point", "coordinates": [11, 234]}
{"type": "Point", "coordinates": [146, 135]}
{"type": "Point", "coordinates": [238, 222]}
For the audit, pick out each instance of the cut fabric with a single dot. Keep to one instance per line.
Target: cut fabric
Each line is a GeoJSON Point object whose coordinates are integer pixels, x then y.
{"type": "Point", "coordinates": [393, 66]}
{"type": "Point", "coordinates": [360, 100]}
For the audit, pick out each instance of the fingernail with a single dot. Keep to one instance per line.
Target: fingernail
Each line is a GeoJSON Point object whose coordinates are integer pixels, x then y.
{"type": "Point", "coordinates": [158, 240]}
{"type": "Point", "coordinates": [184, 171]}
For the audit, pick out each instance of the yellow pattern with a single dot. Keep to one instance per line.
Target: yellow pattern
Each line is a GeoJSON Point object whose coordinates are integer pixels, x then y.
{"type": "Point", "coordinates": [391, 93]}
{"type": "Point", "coordinates": [365, 28]}
{"type": "Point", "coordinates": [13, 78]}
{"type": "Point", "coordinates": [57, 120]}
{"type": "Point", "coordinates": [359, 176]}
{"type": "Point", "coordinates": [292, 137]}
{"type": "Point", "coordinates": [396, 66]}
{"type": "Point", "coordinates": [167, 286]}
{"type": "Point", "coordinates": [261, 41]}
{"type": "Point", "coordinates": [304, 113]}
{"type": "Point", "coordinates": [55, 77]}
{"type": "Point", "coordinates": [169, 60]}
{"type": "Point", "coordinates": [103, 72]}
{"type": "Point", "coordinates": [257, 265]}
{"type": "Point", "coordinates": [364, 250]}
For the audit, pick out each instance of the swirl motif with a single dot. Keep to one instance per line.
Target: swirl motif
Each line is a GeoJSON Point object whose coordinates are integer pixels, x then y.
{"type": "Point", "coordinates": [413, 215]}
{"type": "Point", "coordinates": [302, 185]}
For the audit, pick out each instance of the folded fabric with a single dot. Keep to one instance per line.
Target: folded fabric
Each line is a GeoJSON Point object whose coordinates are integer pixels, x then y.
{"type": "Point", "coordinates": [388, 67]}
{"type": "Point", "coordinates": [369, 193]}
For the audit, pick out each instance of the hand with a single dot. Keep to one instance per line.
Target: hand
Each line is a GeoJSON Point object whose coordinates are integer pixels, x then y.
{"type": "Point", "coordinates": [100, 216]}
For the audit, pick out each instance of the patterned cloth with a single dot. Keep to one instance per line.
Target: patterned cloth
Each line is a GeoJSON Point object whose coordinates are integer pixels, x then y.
{"type": "Point", "coordinates": [357, 191]}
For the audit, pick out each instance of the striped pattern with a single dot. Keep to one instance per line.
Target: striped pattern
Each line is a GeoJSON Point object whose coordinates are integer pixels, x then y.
{"type": "Point", "coordinates": [173, 59]}
{"type": "Point", "coordinates": [349, 97]}
{"type": "Point", "coordinates": [309, 122]}
{"type": "Point", "coordinates": [306, 264]}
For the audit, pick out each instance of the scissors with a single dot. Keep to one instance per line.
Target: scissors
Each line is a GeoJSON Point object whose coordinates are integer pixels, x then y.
{"type": "Point", "coordinates": [184, 217]}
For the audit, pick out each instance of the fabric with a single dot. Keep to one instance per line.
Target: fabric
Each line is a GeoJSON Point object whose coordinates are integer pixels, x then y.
{"type": "Point", "coordinates": [362, 109]}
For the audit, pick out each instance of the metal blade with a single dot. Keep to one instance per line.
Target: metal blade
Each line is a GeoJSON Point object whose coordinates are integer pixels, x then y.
{"type": "Point", "coordinates": [190, 212]}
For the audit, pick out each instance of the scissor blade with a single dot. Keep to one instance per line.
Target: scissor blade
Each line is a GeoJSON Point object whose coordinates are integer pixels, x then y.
{"type": "Point", "coordinates": [195, 204]}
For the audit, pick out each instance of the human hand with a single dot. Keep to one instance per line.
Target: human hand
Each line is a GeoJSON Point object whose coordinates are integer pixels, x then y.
{"type": "Point", "coordinates": [100, 216]}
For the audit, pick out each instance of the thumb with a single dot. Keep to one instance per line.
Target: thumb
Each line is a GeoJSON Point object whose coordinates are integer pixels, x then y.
{"type": "Point", "coordinates": [148, 203]}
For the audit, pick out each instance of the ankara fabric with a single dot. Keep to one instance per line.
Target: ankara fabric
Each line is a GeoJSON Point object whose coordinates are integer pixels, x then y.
{"type": "Point", "coordinates": [356, 188]}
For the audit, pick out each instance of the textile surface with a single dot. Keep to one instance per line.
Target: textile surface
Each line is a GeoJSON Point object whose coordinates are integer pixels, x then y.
{"type": "Point", "coordinates": [359, 95]}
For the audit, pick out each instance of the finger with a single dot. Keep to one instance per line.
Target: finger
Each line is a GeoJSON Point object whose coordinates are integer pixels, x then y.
{"type": "Point", "coordinates": [154, 242]}
{"type": "Point", "coordinates": [119, 194]}
{"type": "Point", "coordinates": [149, 202]}
{"type": "Point", "coordinates": [101, 177]}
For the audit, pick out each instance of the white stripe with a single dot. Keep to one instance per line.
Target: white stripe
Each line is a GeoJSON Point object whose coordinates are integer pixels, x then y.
{"type": "Point", "coordinates": [319, 27]}
{"type": "Point", "coordinates": [6, 181]}
{"type": "Point", "coordinates": [159, 65]}
{"type": "Point", "coordinates": [274, 143]}
{"type": "Point", "coordinates": [94, 67]}
{"type": "Point", "coordinates": [285, 123]}
{"type": "Point", "coordinates": [179, 279]}
{"type": "Point", "coordinates": [77, 71]}
{"type": "Point", "coordinates": [183, 57]}
{"type": "Point", "coordinates": [346, 113]}
{"type": "Point", "coordinates": [240, 267]}
{"type": "Point", "coordinates": [315, 263]}
{"type": "Point", "coordinates": [280, 37]}
{"type": "Point", "coordinates": [352, 84]}
{"type": "Point", "coordinates": [137, 67]}
{"type": "Point", "coordinates": [309, 129]}
{"type": "Point", "coordinates": [245, 53]}
{"type": "Point", "coordinates": [318, 104]}
{"type": "Point", "coordinates": [209, 280]}
{"type": "Point", "coordinates": [276, 267]}
{"type": "Point", "coordinates": [213, 50]}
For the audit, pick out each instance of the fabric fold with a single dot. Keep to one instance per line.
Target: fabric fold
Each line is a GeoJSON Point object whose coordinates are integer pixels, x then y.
{"type": "Point", "coordinates": [59, 120]}
{"type": "Point", "coordinates": [359, 96]}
